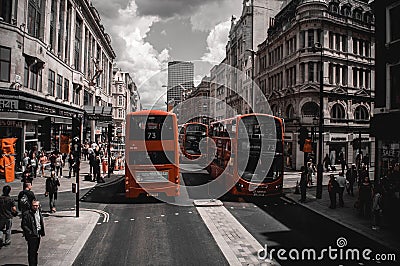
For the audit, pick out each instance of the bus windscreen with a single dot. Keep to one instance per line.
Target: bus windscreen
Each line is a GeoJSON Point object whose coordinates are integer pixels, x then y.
{"type": "Point", "coordinates": [152, 127]}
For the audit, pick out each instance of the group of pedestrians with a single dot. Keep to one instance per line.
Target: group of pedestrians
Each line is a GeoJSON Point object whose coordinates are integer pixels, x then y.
{"type": "Point", "coordinates": [31, 216]}
{"type": "Point", "coordinates": [369, 198]}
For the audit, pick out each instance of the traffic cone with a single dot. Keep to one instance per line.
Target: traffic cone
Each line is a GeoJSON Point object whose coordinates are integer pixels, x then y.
{"type": "Point", "coordinates": [297, 190]}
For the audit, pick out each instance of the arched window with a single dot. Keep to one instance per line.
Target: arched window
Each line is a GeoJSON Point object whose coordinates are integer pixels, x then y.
{"type": "Point", "coordinates": [337, 112]}
{"type": "Point", "coordinates": [310, 109]}
{"type": "Point", "coordinates": [290, 111]}
{"type": "Point", "coordinates": [361, 113]}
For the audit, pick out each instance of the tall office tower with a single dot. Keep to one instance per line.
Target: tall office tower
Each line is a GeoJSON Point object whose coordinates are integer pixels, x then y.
{"type": "Point", "coordinates": [180, 81]}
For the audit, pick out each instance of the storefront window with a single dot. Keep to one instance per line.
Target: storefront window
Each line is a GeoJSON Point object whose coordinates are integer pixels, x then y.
{"type": "Point", "coordinates": [388, 168]}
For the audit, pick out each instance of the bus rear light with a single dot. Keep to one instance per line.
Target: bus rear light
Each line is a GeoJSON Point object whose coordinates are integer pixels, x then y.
{"type": "Point", "coordinates": [127, 190]}
{"type": "Point", "coordinates": [126, 182]}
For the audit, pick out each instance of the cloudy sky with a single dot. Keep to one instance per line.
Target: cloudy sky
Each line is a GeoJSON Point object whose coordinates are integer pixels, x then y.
{"type": "Point", "coordinates": [146, 34]}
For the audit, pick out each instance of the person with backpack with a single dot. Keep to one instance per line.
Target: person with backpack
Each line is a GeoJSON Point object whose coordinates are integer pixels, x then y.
{"type": "Point", "coordinates": [52, 184]}
{"type": "Point", "coordinates": [25, 198]}
{"type": "Point", "coordinates": [7, 212]}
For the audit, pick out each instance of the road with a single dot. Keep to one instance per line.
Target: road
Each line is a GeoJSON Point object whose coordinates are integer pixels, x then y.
{"type": "Point", "coordinates": [150, 232]}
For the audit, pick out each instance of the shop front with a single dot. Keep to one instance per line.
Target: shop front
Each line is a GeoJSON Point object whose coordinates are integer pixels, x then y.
{"type": "Point", "coordinates": [36, 122]}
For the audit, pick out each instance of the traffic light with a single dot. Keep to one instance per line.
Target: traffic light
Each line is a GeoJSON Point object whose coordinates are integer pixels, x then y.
{"type": "Point", "coordinates": [76, 127]}
{"type": "Point", "coordinates": [110, 131]}
{"type": "Point", "coordinates": [45, 133]}
{"type": "Point", "coordinates": [303, 135]}
{"type": "Point", "coordinates": [76, 136]}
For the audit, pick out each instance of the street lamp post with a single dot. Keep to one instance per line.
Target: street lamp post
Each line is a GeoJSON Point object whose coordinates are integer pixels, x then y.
{"type": "Point", "coordinates": [318, 46]}
{"type": "Point", "coordinates": [252, 78]}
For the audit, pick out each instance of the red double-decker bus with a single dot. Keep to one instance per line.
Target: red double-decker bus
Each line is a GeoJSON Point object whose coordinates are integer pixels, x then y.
{"type": "Point", "coordinates": [248, 154]}
{"type": "Point", "coordinates": [190, 137]}
{"type": "Point", "coordinates": [151, 154]}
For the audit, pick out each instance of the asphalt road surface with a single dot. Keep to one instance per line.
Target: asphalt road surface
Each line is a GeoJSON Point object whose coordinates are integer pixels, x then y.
{"type": "Point", "coordinates": [150, 232]}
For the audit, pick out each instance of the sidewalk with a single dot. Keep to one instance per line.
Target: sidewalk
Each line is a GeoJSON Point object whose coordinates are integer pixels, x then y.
{"type": "Point", "coordinates": [348, 216]}
{"type": "Point", "coordinates": [65, 233]}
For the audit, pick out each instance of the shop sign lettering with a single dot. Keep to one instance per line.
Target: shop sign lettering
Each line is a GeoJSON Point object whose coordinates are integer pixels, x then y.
{"type": "Point", "coordinates": [7, 104]}
{"type": "Point", "coordinates": [10, 123]}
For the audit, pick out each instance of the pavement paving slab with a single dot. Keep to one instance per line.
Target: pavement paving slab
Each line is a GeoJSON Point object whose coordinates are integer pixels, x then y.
{"type": "Point", "coordinates": [64, 239]}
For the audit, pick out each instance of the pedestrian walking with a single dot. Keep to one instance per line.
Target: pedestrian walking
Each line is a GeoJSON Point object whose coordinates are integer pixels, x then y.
{"type": "Point", "coordinates": [71, 163]}
{"type": "Point", "coordinates": [25, 197]}
{"type": "Point", "coordinates": [33, 227]}
{"type": "Point", "coordinates": [96, 170]}
{"type": "Point", "coordinates": [42, 161]}
{"type": "Point", "coordinates": [342, 161]}
{"type": "Point", "coordinates": [27, 175]}
{"type": "Point", "coordinates": [351, 177]}
{"type": "Point", "coordinates": [341, 180]}
{"type": "Point", "coordinates": [52, 184]}
{"type": "Point", "coordinates": [52, 160]}
{"type": "Point", "coordinates": [365, 161]}
{"type": "Point", "coordinates": [34, 165]}
{"type": "Point", "coordinates": [58, 165]}
{"type": "Point", "coordinates": [333, 187]}
{"type": "Point", "coordinates": [8, 210]}
{"type": "Point", "coordinates": [377, 208]}
{"type": "Point", "coordinates": [310, 172]}
{"type": "Point", "coordinates": [303, 183]}
{"type": "Point", "coordinates": [365, 197]}
{"type": "Point", "coordinates": [104, 165]}
{"type": "Point", "coordinates": [327, 163]}
{"type": "Point", "coordinates": [25, 161]}
{"type": "Point", "coordinates": [91, 158]}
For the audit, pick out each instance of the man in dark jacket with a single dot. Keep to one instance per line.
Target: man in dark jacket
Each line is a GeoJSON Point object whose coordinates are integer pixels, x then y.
{"type": "Point", "coordinates": [33, 227]}
{"type": "Point", "coordinates": [7, 212]}
{"type": "Point", "coordinates": [25, 197]}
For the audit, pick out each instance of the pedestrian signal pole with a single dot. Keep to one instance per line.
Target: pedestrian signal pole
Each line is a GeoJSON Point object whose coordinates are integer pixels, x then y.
{"type": "Point", "coordinates": [110, 130]}
{"type": "Point", "coordinates": [76, 150]}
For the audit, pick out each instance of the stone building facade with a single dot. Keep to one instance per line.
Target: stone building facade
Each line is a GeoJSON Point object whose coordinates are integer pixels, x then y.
{"type": "Point", "coordinates": [55, 58]}
{"type": "Point", "coordinates": [340, 34]}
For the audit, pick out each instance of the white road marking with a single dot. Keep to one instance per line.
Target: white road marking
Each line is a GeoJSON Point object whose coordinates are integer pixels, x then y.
{"type": "Point", "coordinates": [286, 200]}
{"type": "Point", "coordinates": [104, 213]}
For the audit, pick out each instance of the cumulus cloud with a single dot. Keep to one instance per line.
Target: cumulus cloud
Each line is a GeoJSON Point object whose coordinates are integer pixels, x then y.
{"type": "Point", "coordinates": [129, 23]}
{"type": "Point", "coordinates": [210, 14]}
{"type": "Point", "coordinates": [134, 54]}
{"type": "Point", "coordinates": [170, 8]}
{"type": "Point", "coordinates": [216, 42]}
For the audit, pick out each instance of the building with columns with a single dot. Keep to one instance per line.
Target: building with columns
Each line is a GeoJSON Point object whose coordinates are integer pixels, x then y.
{"type": "Point", "coordinates": [341, 35]}
{"type": "Point", "coordinates": [55, 58]}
